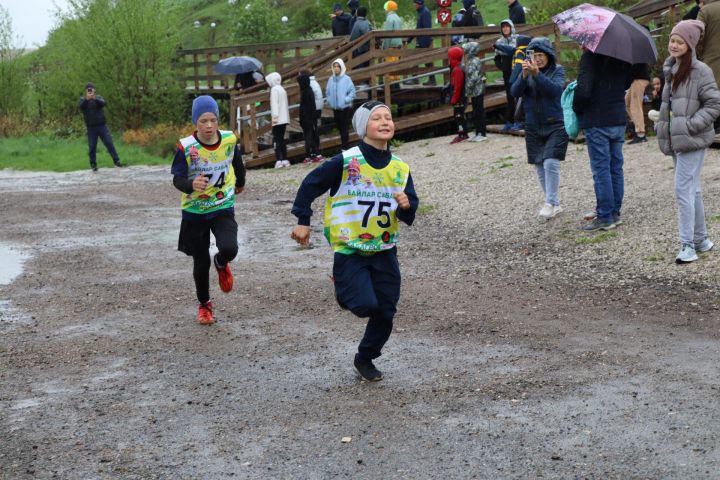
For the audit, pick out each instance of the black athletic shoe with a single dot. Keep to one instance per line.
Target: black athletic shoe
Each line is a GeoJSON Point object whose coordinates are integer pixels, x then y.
{"type": "Point", "coordinates": [367, 370]}
{"type": "Point", "coordinates": [94, 168]}
{"type": "Point", "coordinates": [119, 165]}
{"type": "Point", "coordinates": [637, 139]}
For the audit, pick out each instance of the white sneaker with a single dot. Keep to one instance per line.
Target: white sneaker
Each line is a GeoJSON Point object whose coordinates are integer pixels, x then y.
{"type": "Point", "coordinates": [279, 164]}
{"type": "Point", "coordinates": [546, 211]}
{"type": "Point", "coordinates": [556, 209]}
{"type": "Point", "coordinates": [478, 138]}
{"type": "Point", "coordinates": [286, 163]}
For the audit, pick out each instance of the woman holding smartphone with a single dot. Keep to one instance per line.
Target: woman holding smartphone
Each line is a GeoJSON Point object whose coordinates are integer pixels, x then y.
{"type": "Point", "coordinates": [541, 85]}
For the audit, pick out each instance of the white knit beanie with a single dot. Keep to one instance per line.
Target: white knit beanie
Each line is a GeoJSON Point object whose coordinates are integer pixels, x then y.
{"type": "Point", "coordinates": [362, 115]}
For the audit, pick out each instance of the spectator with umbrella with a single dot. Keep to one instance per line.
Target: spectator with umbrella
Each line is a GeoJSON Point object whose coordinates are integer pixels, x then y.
{"type": "Point", "coordinates": [246, 70]}
{"type": "Point", "coordinates": [611, 43]}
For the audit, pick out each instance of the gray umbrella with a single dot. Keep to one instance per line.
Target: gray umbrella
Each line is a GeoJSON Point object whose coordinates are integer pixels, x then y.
{"type": "Point", "coordinates": [242, 64]}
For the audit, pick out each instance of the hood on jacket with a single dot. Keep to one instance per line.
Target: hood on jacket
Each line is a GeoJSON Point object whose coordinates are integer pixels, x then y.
{"type": "Point", "coordinates": [471, 48]}
{"type": "Point", "coordinates": [542, 44]}
{"type": "Point", "coordinates": [343, 68]}
{"type": "Point", "coordinates": [509, 22]}
{"type": "Point", "coordinates": [455, 56]}
{"type": "Point", "coordinates": [273, 79]}
{"type": "Point", "coordinates": [303, 81]}
{"type": "Point", "coordinates": [468, 3]}
{"type": "Point", "coordinates": [523, 40]}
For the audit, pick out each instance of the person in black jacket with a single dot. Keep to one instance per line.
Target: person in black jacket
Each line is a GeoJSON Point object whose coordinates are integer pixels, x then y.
{"type": "Point", "coordinates": [517, 12]}
{"type": "Point", "coordinates": [308, 121]}
{"type": "Point", "coordinates": [92, 106]}
{"type": "Point", "coordinates": [599, 103]}
{"type": "Point", "coordinates": [340, 21]}
{"type": "Point", "coordinates": [692, 14]}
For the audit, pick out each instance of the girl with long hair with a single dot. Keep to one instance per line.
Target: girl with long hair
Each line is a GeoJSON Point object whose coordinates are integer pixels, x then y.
{"type": "Point", "coordinates": [690, 105]}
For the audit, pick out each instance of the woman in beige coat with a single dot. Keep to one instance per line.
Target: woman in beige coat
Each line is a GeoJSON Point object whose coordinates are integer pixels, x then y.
{"type": "Point", "coordinates": [690, 105]}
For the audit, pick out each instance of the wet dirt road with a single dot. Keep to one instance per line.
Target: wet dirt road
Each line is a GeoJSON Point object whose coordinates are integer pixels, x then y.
{"type": "Point", "coordinates": [493, 371]}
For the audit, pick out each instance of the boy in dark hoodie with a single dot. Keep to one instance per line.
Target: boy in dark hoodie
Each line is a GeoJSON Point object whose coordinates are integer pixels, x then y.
{"type": "Point", "coordinates": [371, 190]}
{"type": "Point", "coordinates": [308, 120]}
{"type": "Point", "coordinates": [457, 82]}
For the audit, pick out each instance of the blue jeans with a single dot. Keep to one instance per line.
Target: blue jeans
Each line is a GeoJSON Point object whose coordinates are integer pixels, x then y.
{"type": "Point", "coordinates": [104, 134]}
{"type": "Point", "coordinates": [549, 177]}
{"type": "Point", "coordinates": [606, 163]}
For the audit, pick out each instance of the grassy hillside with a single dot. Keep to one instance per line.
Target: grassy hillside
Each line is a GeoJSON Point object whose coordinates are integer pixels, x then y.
{"type": "Point", "coordinates": [221, 12]}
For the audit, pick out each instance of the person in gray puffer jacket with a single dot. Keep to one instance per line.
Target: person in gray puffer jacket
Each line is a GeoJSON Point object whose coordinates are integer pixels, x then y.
{"type": "Point", "coordinates": [690, 105]}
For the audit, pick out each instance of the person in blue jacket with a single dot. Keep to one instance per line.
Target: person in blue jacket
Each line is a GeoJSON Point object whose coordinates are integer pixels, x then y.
{"type": "Point", "coordinates": [423, 21]}
{"type": "Point", "coordinates": [540, 85]}
{"type": "Point", "coordinates": [340, 93]}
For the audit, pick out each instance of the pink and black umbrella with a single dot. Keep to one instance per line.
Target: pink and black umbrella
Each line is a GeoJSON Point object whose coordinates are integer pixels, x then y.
{"type": "Point", "coordinates": [607, 32]}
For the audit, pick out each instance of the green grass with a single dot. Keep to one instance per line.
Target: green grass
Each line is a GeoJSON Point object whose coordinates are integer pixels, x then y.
{"type": "Point", "coordinates": [47, 154]}
{"type": "Point", "coordinates": [396, 143]}
{"type": "Point", "coordinates": [656, 257]}
{"type": "Point", "coordinates": [430, 154]}
{"type": "Point", "coordinates": [714, 219]}
{"type": "Point", "coordinates": [599, 238]}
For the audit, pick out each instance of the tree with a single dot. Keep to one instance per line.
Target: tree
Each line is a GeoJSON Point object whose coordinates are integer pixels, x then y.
{"type": "Point", "coordinates": [12, 78]}
{"type": "Point", "coordinates": [127, 48]}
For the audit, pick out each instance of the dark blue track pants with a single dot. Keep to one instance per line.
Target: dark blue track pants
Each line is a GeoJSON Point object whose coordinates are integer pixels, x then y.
{"type": "Point", "coordinates": [369, 286]}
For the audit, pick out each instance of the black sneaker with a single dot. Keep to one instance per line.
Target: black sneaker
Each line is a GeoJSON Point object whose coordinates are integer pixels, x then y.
{"type": "Point", "coordinates": [119, 165]}
{"type": "Point", "coordinates": [637, 139]}
{"type": "Point", "coordinates": [367, 370]}
{"type": "Point", "coordinates": [94, 168]}
{"type": "Point", "coordinates": [617, 220]}
{"type": "Point", "coordinates": [598, 224]}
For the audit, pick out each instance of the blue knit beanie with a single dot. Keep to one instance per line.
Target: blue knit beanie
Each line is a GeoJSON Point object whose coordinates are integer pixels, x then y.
{"type": "Point", "coordinates": [204, 104]}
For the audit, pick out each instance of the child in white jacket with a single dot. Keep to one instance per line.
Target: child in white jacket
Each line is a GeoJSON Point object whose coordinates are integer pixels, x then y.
{"type": "Point", "coordinates": [280, 118]}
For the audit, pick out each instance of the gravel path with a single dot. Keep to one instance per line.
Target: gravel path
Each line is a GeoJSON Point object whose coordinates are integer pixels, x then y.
{"type": "Point", "coordinates": [522, 348]}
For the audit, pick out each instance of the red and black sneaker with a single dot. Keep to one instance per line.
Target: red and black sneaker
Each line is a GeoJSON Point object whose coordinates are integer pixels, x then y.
{"type": "Point", "coordinates": [225, 277]}
{"type": "Point", "coordinates": [205, 314]}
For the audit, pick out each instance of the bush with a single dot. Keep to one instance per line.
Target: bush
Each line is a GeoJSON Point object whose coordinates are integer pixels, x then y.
{"type": "Point", "coordinates": [160, 140]}
{"type": "Point", "coordinates": [14, 125]}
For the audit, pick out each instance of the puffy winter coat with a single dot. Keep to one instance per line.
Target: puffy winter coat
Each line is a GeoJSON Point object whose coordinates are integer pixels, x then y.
{"type": "Point", "coordinates": [695, 106]}
{"type": "Point", "coordinates": [474, 75]}
{"type": "Point", "coordinates": [340, 89]}
{"type": "Point", "coordinates": [278, 99]}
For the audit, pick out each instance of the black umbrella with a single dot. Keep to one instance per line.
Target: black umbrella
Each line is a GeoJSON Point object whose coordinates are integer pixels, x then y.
{"type": "Point", "coordinates": [607, 32]}
{"type": "Point", "coordinates": [242, 64]}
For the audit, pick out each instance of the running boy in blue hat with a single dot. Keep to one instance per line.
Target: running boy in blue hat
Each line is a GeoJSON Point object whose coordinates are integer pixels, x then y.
{"type": "Point", "coordinates": [208, 169]}
{"type": "Point", "coordinates": [370, 191]}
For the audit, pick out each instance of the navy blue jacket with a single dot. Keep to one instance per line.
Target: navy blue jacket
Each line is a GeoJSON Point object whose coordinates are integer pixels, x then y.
{"type": "Point", "coordinates": [329, 175]}
{"type": "Point", "coordinates": [541, 93]}
{"type": "Point", "coordinates": [423, 21]}
{"type": "Point", "coordinates": [600, 93]}
{"type": "Point", "coordinates": [516, 13]}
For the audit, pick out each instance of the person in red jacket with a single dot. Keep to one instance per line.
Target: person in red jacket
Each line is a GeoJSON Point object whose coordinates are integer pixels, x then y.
{"type": "Point", "coordinates": [457, 100]}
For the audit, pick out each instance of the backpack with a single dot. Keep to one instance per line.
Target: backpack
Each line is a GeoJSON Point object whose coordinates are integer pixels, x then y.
{"type": "Point", "coordinates": [572, 126]}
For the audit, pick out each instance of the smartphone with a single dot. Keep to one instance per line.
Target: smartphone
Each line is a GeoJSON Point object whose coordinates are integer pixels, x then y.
{"type": "Point", "coordinates": [529, 54]}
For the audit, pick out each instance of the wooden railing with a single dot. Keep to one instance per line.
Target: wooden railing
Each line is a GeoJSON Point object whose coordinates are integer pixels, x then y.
{"type": "Point", "coordinates": [196, 66]}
